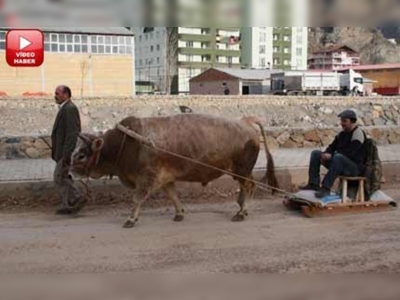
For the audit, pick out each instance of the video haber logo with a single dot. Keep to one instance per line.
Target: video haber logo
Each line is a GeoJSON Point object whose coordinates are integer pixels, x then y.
{"type": "Point", "coordinates": [24, 48]}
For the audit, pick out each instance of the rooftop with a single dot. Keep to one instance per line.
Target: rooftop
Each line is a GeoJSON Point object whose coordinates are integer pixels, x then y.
{"type": "Point", "coordinates": [374, 67]}
{"type": "Point", "coordinates": [84, 30]}
{"type": "Point", "coordinates": [248, 74]}
{"type": "Point", "coordinates": [334, 48]}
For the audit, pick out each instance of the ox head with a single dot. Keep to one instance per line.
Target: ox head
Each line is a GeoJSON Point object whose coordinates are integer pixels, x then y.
{"type": "Point", "coordinates": [86, 156]}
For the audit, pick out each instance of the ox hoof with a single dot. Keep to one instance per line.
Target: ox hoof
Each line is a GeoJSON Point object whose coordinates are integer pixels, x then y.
{"type": "Point", "coordinates": [238, 218]}
{"type": "Point", "coordinates": [129, 224]}
{"type": "Point", "coordinates": [179, 218]}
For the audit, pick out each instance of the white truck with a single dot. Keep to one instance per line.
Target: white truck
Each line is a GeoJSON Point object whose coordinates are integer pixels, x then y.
{"type": "Point", "coordinates": [317, 83]}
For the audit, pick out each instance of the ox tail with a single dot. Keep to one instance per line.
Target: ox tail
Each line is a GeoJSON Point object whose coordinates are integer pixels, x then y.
{"type": "Point", "coordinates": [270, 176]}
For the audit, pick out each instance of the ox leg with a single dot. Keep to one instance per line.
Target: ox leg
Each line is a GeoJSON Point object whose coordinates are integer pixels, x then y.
{"type": "Point", "coordinates": [246, 190]}
{"type": "Point", "coordinates": [134, 217]}
{"type": "Point", "coordinates": [172, 196]}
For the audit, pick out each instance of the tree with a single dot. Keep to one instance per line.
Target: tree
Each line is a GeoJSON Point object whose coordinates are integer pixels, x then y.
{"type": "Point", "coordinates": [171, 59]}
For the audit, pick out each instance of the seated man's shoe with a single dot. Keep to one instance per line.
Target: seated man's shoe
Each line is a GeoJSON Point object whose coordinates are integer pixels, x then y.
{"type": "Point", "coordinates": [322, 193]}
{"type": "Point", "coordinates": [309, 187]}
{"type": "Point", "coordinates": [63, 211]}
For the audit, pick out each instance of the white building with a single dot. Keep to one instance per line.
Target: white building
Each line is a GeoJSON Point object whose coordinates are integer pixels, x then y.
{"type": "Point", "coordinates": [275, 47]}
{"type": "Point", "coordinates": [171, 60]}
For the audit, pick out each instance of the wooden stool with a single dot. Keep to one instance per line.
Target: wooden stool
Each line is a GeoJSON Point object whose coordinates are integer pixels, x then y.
{"type": "Point", "coordinates": [360, 192]}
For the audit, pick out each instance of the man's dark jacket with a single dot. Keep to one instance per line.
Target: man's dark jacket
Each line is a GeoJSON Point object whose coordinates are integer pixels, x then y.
{"type": "Point", "coordinates": [66, 128]}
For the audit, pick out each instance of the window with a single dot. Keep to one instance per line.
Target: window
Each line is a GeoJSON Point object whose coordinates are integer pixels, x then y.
{"type": "Point", "coordinates": [262, 49]}
{"type": "Point", "coordinates": [262, 62]}
{"type": "Point", "coordinates": [77, 43]}
{"type": "Point", "coordinates": [299, 51]}
{"type": "Point", "coordinates": [286, 38]}
{"type": "Point", "coordinates": [189, 44]}
{"type": "Point", "coordinates": [286, 50]}
{"type": "Point", "coordinates": [158, 60]}
{"type": "Point", "coordinates": [158, 47]}
{"type": "Point", "coordinates": [263, 37]}
{"type": "Point", "coordinates": [300, 39]}
{"type": "Point", "coordinates": [277, 61]}
{"type": "Point", "coordinates": [2, 40]}
{"type": "Point", "coordinates": [276, 37]}
{"type": "Point", "coordinates": [276, 49]}
{"type": "Point", "coordinates": [286, 62]}
{"type": "Point", "coordinates": [151, 48]}
{"type": "Point", "coordinates": [205, 58]}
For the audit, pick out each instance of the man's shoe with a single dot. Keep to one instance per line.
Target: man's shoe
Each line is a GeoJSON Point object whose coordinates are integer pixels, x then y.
{"type": "Point", "coordinates": [78, 206]}
{"type": "Point", "coordinates": [63, 211]}
{"type": "Point", "coordinates": [309, 187]}
{"type": "Point", "coordinates": [322, 193]}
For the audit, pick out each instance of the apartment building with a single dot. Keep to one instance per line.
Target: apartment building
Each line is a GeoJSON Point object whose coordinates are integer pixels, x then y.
{"type": "Point", "coordinates": [276, 47]}
{"type": "Point", "coordinates": [283, 48]}
{"type": "Point", "coordinates": [170, 56]}
{"type": "Point", "coordinates": [334, 58]}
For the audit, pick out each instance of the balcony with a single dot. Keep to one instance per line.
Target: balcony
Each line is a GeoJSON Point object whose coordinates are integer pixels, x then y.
{"type": "Point", "coordinates": [195, 37]}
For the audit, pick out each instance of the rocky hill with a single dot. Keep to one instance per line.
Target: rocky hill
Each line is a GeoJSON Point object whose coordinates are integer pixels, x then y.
{"type": "Point", "coordinates": [373, 47]}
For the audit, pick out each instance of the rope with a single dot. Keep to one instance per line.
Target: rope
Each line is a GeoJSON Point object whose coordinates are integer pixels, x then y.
{"type": "Point", "coordinates": [261, 185]}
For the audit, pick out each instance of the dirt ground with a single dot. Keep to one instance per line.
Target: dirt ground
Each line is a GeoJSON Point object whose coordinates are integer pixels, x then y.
{"type": "Point", "coordinates": [271, 240]}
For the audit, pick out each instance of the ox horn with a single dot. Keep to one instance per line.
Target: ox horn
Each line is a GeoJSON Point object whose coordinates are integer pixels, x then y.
{"type": "Point", "coordinates": [84, 138]}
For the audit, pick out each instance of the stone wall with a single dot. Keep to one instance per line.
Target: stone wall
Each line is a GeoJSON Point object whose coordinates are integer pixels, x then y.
{"type": "Point", "coordinates": [292, 122]}
{"type": "Point", "coordinates": [34, 147]}
{"type": "Point", "coordinates": [35, 116]}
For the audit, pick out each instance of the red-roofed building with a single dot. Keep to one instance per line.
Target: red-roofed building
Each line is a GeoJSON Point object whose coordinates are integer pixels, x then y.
{"type": "Point", "coordinates": [334, 58]}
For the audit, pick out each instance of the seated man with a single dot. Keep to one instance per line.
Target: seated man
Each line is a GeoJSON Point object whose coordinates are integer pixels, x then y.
{"type": "Point", "coordinates": [344, 157]}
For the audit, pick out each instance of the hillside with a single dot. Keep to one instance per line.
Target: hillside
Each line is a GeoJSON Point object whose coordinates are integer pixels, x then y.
{"type": "Point", "coordinates": [373, 47]}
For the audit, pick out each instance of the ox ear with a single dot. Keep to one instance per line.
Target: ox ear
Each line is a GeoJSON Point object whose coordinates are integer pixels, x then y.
{"type": "Point", "coordinates": [97, 145]}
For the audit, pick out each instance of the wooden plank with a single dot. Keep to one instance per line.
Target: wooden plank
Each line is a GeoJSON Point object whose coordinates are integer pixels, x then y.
{"type": "Point", "coordinates": [353, 178]}
{"type": "Point", "coordinates": [312, 212]}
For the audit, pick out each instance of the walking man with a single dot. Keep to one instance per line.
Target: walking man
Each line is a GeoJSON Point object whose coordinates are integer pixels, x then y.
{"type": "Point", "coordinates": [64, 137]}
{"type": "Point", "coordinates": [346, 156]}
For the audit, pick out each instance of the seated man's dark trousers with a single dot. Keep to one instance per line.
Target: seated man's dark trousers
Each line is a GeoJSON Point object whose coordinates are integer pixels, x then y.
{"type": "Point", "coordinates": [339, 165]}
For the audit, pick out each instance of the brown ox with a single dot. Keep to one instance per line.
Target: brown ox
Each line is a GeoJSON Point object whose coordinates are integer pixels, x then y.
{"type": "Point", "coordinates": [228, 145]}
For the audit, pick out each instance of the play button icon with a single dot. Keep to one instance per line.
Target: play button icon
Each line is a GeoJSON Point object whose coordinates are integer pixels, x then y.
{"type": "Point", "coordinates": [23, 43]}
{"type": "Point", "coordinates": [24, 48]}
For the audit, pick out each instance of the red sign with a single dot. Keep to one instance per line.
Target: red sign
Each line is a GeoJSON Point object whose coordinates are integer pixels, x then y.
{"type": "Point", "coordinates": [24, 48]}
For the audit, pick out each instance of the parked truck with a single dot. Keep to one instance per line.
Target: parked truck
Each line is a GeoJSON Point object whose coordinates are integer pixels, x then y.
{"type": "Point", "coordinates": [317, 83]}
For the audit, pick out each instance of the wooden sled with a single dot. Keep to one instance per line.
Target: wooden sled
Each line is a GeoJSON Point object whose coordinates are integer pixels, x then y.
{"type": "Point", "coordinates": [311, 207]}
